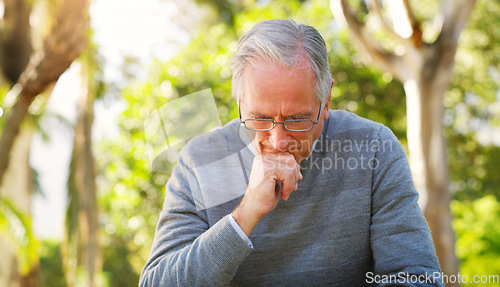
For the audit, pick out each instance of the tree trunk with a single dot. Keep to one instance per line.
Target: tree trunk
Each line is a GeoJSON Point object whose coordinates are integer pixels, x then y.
{"type": "Point", "coordinates": [15, 39]}
{"type": "Point", "coordinates": [17, 187]}
{"type": "Point", "coordinates": [11, 131]}
{"type": "Point", "coordinates": [426, 144]}
{"type": "Point", "coordinates": [60, 48]}
{"type": "Point", "coordinates": [427, 155]}
{"type": "Point", "coordinates": [82, 254]}
{"type": "Point", "coordinates": [9, 271]}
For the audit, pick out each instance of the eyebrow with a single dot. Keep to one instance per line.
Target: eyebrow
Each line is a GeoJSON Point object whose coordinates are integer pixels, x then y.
{"type": "Point", "coordinates": [296, 115]}
{"type": "Point", "coordinates": [259, 115]}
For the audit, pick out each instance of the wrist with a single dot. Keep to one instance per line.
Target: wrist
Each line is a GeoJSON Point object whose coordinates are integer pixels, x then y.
{"type": "Point", "coordinates": [245, 219]}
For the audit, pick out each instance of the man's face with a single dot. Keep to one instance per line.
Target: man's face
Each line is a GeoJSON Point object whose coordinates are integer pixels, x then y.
{"type": "Point", "coordinates": [271, 91]}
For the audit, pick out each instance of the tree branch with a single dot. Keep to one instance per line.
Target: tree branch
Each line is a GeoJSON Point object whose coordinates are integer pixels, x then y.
{"type": "Point", "coordinates": [375, 5]}
{"type": "Point", "coordinates": [15, 41]}
{"type": "Point", "coordinates": [456, 14]}
{"type": "Point", "coordinates": [416, 36]}
{"type": "Point", "coordinates": [60, 48]}
{"type": "Point", "coordinates": [384, 59]}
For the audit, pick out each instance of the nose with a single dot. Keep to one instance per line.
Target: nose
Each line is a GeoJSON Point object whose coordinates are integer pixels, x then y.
{"type": "Point", "coordinates": [279, 137]}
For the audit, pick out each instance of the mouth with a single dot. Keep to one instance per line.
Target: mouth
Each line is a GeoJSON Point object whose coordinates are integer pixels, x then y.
{"type": "Point", "coordinates": [267, 150]}
{"type": "Point", "coordinates": [271, 150]}
{"type": "Point", "coordinates": [292, 147]}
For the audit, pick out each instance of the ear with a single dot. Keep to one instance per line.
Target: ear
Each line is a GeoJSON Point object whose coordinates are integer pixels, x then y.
{"type": "Point", "coordinates": [327, 102]}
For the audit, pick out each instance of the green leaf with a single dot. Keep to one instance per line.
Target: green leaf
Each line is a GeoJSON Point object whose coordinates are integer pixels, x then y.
{"type": "Point", "coordinates": [16, 226]}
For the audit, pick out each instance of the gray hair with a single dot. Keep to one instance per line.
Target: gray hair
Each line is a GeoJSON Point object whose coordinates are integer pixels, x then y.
{"type": "Point", "coordinates": [283, 42]}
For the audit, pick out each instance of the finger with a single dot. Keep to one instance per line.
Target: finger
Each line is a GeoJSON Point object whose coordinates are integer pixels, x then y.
{"type": "Point", "coordinates": [298, 173]}
{"type": "Point", "coordinates": [279, 186]}
{"type": "Point", "coordinates": [289, 184]}
{"type": "Point", "coordinates": [296, 168]}
{"type": "Point", "coordinates": [286, 195]}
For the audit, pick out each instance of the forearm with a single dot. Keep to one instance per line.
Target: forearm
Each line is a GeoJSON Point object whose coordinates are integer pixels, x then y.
{"type": "Point", "coordinates": [212, 259]}
{"type": "Point", "coordinates": [245, 218]}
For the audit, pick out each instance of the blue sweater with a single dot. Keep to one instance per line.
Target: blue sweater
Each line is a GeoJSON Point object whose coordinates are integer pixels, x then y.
{"type": "Point", "coordinates": [353, 221]}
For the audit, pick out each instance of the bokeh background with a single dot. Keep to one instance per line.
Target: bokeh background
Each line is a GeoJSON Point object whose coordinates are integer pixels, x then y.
{"type": "Point", "coordinates": [79, 199]}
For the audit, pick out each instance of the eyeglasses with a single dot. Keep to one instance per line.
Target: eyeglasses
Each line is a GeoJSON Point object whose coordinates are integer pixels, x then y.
{"type": "Point", "coordinates": [262, 125]}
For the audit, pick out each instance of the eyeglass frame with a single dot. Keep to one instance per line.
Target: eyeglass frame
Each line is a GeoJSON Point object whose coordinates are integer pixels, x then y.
{"type": "Point", "coordinates": [282, 123]}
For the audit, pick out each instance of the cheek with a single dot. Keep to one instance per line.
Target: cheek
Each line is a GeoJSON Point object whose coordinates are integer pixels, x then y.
{"type": "Point", "coordinates": [318, 129]}
{"type": "Point", "coordinates": [260, 139]}
{"type": "Point", "coordinates": [295, 146]}
{"type": "Point", "coordinates": [261, 136]}
{"type": "Point", "coordinates": [301, 143]}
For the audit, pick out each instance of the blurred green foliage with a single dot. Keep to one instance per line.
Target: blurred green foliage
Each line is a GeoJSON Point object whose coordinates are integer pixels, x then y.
{"type": "Point", "coordinates": [131, 194]}
{"type": "Point", "coordinates": [4, 89]}
{"type": "Point", "coordinates": [478, 236]}
{"type": "Point", "coordinates": [472, 116]}
{"type": "Point", "coordinates": [15, 226]}
{"type": "Point", "coordinates": [50, 260]}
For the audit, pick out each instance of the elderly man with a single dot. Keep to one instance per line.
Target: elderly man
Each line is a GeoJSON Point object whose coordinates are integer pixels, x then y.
{"type": "Point", "coordinates": [292, 193]}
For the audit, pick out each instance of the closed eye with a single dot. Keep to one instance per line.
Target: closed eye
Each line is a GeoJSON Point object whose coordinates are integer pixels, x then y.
{"type": "Point", "coordinates": [297, 117]}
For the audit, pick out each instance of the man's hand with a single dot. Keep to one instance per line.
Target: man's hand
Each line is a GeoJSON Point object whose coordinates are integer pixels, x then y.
{"type": "Point", "coordinates": [273, 176]}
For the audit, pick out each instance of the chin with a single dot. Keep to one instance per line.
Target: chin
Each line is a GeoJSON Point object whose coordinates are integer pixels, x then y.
{"type": "Point", "coordinates": [299, 158]}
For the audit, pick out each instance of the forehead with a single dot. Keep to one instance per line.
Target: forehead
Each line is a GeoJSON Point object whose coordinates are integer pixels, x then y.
{"type": "Point", "coordinates": [272, 84]}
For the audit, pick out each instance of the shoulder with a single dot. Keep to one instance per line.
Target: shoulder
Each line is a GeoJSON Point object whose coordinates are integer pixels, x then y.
{"type": "Point", "coordinates": [348, 128]}
{"type": "Point", "coordinates": [346, 124]}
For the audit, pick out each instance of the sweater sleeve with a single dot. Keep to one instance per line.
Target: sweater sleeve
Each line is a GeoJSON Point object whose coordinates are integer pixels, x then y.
{"type": "Point", "coordinates": [186, 251]}
{"type": "Point", "coordinates": [400, 238]}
